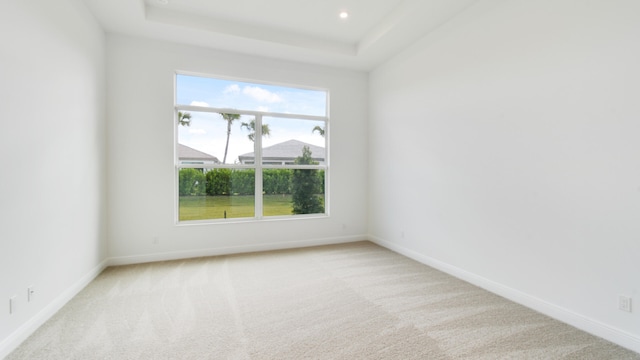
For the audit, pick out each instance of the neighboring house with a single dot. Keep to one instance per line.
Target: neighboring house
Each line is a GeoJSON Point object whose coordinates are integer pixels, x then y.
{"type": "Point", "coordinates": [285, 153]}
{"type": "Point", "coordinates": [190, 156]}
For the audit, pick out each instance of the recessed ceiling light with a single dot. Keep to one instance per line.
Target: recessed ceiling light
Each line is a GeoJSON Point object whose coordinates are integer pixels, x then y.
{"type": "Point", "coordinates": [344, 15]}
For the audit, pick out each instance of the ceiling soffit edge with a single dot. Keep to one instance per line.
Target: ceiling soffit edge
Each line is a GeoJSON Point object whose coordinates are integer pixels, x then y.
{"type": "Point", "coordinates": [252, 32]}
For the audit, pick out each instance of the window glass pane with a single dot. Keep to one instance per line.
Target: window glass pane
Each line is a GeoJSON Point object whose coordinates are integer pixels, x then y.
{"type": "Point", "coordinates": [229, 94]}
{"type": "Point", "coordinates": [307, 191]}
{"type": "Point", "coordinates": [284, 140]}
{"type": "Point", "coordinates": [293, 191]}
{"type": "Point", "coordinates": [216, 194]}
{"type": "Point", "coordinates": [203, 137]}
{"type": "Point", "coordinates": [276, 187]}
{"type": "Point", "coordinates": [219, 149]}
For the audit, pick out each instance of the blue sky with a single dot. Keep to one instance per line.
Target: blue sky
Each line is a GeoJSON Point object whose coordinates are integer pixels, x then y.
{"type": "Point", "coordinates": [193, 90]}
{"type": "Point", "coordinates": [207, 132]}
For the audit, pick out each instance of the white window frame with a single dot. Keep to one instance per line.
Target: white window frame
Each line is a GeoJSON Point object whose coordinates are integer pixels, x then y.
{"type": "Point", "coordinates": [258, 166]}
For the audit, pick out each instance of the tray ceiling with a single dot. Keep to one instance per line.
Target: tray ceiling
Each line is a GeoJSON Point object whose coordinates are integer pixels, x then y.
{"type": "Point", "coordinates": [301, 30]}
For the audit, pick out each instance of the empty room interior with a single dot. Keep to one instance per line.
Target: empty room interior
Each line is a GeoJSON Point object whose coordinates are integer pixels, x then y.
{"type": "Point", "coordinates": [494, 143]}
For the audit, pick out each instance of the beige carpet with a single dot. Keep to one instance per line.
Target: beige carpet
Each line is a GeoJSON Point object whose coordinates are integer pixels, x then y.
{"type": "Point", "coordinates": [353, 301]}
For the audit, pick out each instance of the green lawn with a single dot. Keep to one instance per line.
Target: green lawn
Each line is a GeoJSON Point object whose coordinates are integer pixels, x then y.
{"type": "Point", "coordinates": [237, 206]}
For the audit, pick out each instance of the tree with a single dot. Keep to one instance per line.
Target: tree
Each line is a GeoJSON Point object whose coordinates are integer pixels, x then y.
{"type": "Point", "coordinates": [251, 126]}
{"type": "Point", "coordinates": [306, 186]}
{"type": "Point", "coordinates": [184, 118]}
{"type": "Point", "coordinates": [230, 118]}
{"type": "Point", "coordinates": [319, 129]}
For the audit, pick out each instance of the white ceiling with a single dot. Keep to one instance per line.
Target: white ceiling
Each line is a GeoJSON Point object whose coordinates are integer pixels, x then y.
{"type": "Point", "coordinates": [300, 30]}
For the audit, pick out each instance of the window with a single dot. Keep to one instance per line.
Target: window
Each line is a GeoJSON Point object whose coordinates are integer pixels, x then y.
{"type": "Point", "coordinates": [249, 151]}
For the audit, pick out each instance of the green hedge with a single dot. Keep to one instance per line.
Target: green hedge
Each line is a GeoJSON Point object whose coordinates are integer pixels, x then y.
{"type": "Point", "coordinates": [218, 182]}
{"type": "Point", "coordinates": [276, 181]}
{"type": "Point", "coordinates": [243, 182]}
{"type": "Point", "coordinates": [192, 182]}
{"type": "Point", "coordinates": [240, 182]}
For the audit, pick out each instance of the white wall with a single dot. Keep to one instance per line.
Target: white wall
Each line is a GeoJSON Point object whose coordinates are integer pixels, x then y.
{"type": "Point", "coordinates": [507, 149]}
{"type": "Point", "coordinates": [52, 151]}
{"type": "Point", "coordinates": [140, 162]}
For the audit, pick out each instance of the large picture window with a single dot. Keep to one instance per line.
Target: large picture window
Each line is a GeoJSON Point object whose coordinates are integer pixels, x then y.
{"type": "Point", "coordinates": [249, 151]}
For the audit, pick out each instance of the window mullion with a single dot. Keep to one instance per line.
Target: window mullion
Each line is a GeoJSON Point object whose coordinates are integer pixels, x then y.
{"type": "Point", "coordinates": [258, 167]}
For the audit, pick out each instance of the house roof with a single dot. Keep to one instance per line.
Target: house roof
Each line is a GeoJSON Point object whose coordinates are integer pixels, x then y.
{"type": "Point", "coordinates": [287, 150]}
{"type": "Point", "coordinates": [187, 153]}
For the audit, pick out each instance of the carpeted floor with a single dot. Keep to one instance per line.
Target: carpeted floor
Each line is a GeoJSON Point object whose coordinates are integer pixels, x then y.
{"type": "Point", "coordinates": [353, 301]}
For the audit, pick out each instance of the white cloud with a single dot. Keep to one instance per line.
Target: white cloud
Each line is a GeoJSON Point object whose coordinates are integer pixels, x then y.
{"type": "Point", "coordinates": [199, 103]}
{"type": "Point", "coordinates": [232, 89]}
{"type": "Point", "coordinates": [197, 131]}
{"type": "Point", "coordinates": [261, 94]}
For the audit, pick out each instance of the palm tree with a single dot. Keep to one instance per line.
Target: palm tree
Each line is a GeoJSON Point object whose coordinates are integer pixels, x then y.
{"type": "Point", "coordinates": [230, 118]}
{"type": "Point", "coordinates": [251, 126]}
{"type": "Point", "coordinates": [184, 118]}
{"type": "Point", "coordinates": [319, 129]}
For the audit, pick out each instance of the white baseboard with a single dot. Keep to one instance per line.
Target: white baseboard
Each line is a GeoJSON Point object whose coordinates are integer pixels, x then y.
{"type": "Point", "coordinates": [177, 255]}
{"type": "Point", "coordinates": [23, 332]}
{"type": "Point", "coordinates": [567, 316]}
{"type": "Point", "coordinates": [579, 321]}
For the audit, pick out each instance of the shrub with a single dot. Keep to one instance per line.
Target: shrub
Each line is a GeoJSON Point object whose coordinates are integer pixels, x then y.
{"type": "Point", "coordinates": [219, 182]}
{"type": "Point", "coordinates": [276, 181]}
{"type": "Point", "coordinates": [192, 182]}
{"type": "Point", "coordinates": [243, 182]}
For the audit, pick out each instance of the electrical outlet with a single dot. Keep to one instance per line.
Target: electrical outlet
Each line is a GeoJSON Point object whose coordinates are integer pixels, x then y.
{"type": "Point", "coordinates": [13, 304]}
{"type": "Point", "coordinates": [624, 303]}
{"type": "Point", "coordinates": [31, 293]}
